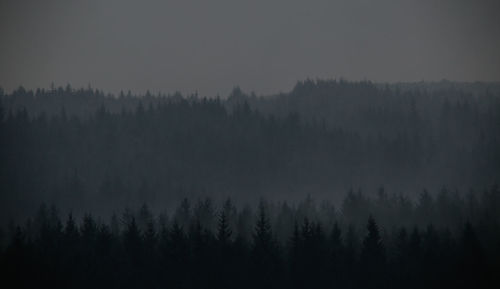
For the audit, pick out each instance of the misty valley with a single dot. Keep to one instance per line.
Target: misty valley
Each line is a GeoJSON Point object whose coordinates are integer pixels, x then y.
{"type": "Point", "coordinates": [334, 184]}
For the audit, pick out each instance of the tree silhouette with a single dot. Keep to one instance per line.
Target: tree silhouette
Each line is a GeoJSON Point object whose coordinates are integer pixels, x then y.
{"type": "Point", "coordinates": [373, 256]}
{"type": "Point", "coordinates": [264, 251]}
{"type": "Point", "coordinates": [223, 231]}
{"type": "Point", "coordinates": [88, 253]}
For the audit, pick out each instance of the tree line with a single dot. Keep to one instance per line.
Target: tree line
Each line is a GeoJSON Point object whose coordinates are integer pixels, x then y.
{"type": "Point", "coordinates": [321, 139]}
{"type": "Point", "coordinates": [244, 248]}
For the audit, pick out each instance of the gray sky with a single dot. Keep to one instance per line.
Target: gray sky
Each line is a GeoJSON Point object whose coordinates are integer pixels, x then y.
{"type": "Point", "coordinates": [210, 46]}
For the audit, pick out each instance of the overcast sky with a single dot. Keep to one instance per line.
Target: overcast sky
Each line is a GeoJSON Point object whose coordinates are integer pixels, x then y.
{"type": "Point", "coordinates": [210, 46]}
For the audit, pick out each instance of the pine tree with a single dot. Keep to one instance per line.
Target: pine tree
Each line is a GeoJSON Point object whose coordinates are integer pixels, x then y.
{"type": "Point", "coordinates": [223, 231]}
{"type": "Point", "coordinates": [132, 239]}
{"type": "Point", "coordinates": [71, 234]}
{"type": "Point", "coordinates": [373, 251]}
{"type": "Point", "coordinates": [264, 252]}
{"type": "Point", "coordinates": [88, 230]}
{"type": "Point", "coordinates": [262, 236]}
{"type": "Point", "coordinates": [373, 256]}
{"type": "Point", "coordinates": [150, 236]}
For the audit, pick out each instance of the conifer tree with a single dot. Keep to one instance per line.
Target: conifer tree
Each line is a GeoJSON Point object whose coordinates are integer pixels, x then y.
{"type": "Point", "coordinates": [223, 231]}
{"type": "Point", "coordinates": [373, 256]}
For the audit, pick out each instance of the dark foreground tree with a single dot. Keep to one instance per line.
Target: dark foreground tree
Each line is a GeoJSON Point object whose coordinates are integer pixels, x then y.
{"type": "Point", "coordinates": [88, 253]}
{"type": "Point", "coordinates": [373, 258]}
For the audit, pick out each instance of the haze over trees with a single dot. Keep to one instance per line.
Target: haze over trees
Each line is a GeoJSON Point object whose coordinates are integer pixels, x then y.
{"type": "Point", "coordinates": [82, 150]}
{"type": "Point", "coordinates": [334, 184]}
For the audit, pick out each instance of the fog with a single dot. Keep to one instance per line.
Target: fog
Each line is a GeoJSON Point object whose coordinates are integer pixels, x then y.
{"type": "Point", "coordinates": [250, 144]}
{"type": "Point", "coordinates": [264, 46]}
{"type": "Point", "coordinates": [83, 150]}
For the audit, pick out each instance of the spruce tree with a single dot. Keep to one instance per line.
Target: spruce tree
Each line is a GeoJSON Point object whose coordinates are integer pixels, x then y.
{"type": "Point", "coordinates": [373, 256]}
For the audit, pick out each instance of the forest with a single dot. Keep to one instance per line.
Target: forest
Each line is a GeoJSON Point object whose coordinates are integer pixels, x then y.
{"type": "Point", "coordinates": [82, 150]}
{"type": "Point", "coordinates": [450, 241]}
{"type": "Point", "coordinates": [335, 184]}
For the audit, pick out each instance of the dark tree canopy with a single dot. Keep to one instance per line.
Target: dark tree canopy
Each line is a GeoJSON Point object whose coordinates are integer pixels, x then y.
{"type": "Point", "coordinates": [85, 253]}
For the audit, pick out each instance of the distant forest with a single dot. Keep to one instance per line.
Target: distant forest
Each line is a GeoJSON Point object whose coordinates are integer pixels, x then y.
{"type": "Point", "coordinates": [83, 150]}
{"type": "Point", "coordinates": [334, 184]}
